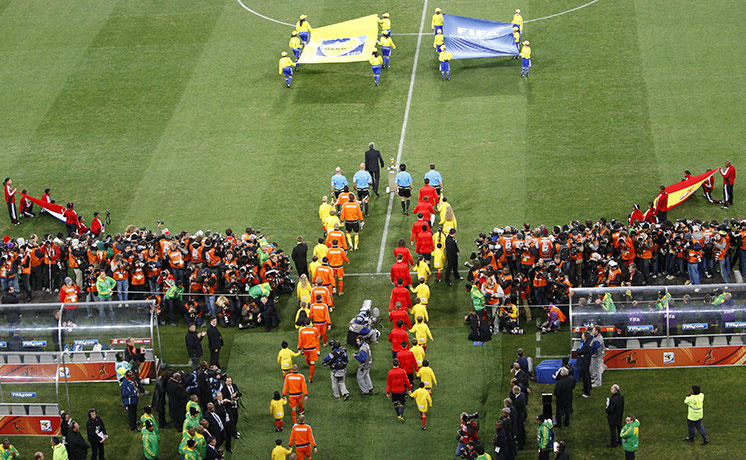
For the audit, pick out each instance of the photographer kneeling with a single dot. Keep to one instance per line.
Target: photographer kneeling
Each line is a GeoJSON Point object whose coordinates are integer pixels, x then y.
{"type": "Point", "coordinates": [468, 431]}
{"type": "Point", "coordinates": [337, 362]}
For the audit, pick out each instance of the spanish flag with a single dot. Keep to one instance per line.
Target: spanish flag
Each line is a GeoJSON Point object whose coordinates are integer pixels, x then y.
{"type": "Point", "coordinates": [349, 41]}
{"type": "Point", "coordinates": [681, 191]}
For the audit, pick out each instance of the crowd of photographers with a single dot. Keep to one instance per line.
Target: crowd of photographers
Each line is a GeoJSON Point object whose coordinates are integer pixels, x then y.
{"type": "Point", "coordinates": [539, 265]}
{"type": "Point", "coordinates": [187, 274]}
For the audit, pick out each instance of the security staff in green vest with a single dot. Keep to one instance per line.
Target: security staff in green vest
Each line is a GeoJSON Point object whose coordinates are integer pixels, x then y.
{"type": "Point", "coordinates": [695, 412]}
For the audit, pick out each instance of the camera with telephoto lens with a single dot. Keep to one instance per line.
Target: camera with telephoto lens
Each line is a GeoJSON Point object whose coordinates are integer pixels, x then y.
{"type": "Point", "coordinates": [159, 222]}
{"type": "Point", "coordinates": [470, 417]}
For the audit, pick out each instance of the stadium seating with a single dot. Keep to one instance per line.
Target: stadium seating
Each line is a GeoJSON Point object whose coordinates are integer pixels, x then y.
{"type": "Point", "coordinates": [719, 341]}
{"type": "Point", "coordinates": [650, 344]}
{"type": "Point", "coordinates": [702, 342]}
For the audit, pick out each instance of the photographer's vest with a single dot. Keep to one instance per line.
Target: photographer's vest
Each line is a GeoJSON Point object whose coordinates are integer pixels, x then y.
{"type": "Point", "coordinates": [368, 363]}
{"type": "Point", "coordinates": [602, 348]}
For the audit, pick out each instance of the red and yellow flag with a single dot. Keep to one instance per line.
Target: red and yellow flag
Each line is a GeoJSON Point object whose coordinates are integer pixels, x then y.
{"type": "Point", "coordinates": [681, 191]}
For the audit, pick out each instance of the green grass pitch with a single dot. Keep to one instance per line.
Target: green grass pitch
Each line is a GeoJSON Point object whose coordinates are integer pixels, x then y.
{"type": "Point", "coordinates": [173, 110]}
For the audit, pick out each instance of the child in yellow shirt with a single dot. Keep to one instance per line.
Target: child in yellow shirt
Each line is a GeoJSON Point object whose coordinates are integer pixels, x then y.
{"type": "Point", "coordinates": [422, 332]}
{"type": "Point", "coordinates": [277, 410]}
{"type": "Point", "coordinates": [427, 376]}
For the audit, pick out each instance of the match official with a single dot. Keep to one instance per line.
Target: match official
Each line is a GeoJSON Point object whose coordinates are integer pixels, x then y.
{"type": "Point", "coordinates": [361, 182]}
{"type": "Point", "coordinates": [404, 187]}
{"type": "Point", "coordinates": [436, 180]}
{"type": "Point", "coordinates": [338, 183]}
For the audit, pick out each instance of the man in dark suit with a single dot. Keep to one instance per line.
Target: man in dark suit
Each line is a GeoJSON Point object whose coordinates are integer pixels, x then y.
{"type": "Point", "coordinates": [373, 164]}
{"type": "Point", "coordinates": [211, 452]}
{"type": "Point", "coordinates": [563, 396]}
{"type": "Point", "coordinates": [300, 257]}
{"type": "Point", "coordinates": [177, 399]}
{"type": "Point", "coordinates": [215, 424]}
{"type": "Point", "coordinates": [452, 254]}
{"type": "Point", "coordinates": [214, 341]}
{"type": "Point", "coordinates": [519, 403]}
{"type": "Point", "coordinates": [584, 363]}
{"type": "Point", "coordinates": [615, 415]}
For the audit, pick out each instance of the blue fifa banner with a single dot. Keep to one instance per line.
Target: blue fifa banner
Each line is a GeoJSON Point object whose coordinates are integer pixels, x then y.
{"type": "Point", "coordinates": [694, 326]}
{"type": "Point", "coordinates": [23, 394]}
{"type": "Point", "coordinates": [469, 38]}
{"type": "Point", "coordinates": [640, 328]}
{"type": "Point", "coordinates": [735, 324]}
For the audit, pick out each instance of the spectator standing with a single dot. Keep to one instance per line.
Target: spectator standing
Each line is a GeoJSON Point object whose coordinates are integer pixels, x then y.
{"type": "Point", "coordinates": [214, 341]}
{"type": "Point", "coordinates": [695, 413]}
{"type": "Point", "coordinates": [373, 164]}
{"type": "Point", "coordinates": [615, 415]}
{"type": "Point", "coordinates": [77, 448]}
{"type": "Point", "coordinates": [59, 452]}
{"type": "Point", "coordinates": [630, 435]}
{"type": "Point", "coordinates": [563, 390]}
{"type": "Point", "coordinates": [300, 257]}
{"type": "Point", "coordinates": [729, 178]}
{"type": "Point", "coordinates": [130, 398]}
{"type": "Point", "coordinates": [96, 434]}
{"type": "Point", "coordinates": [194, 345]}
{"type": "Point", "coordinates": [452, 253]}
{"type": "Point", "coordinates": [216, 425]}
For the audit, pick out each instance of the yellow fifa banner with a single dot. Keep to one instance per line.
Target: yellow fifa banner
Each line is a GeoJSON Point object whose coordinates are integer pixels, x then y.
{"type": "Point", "coordinates": [349, 41]}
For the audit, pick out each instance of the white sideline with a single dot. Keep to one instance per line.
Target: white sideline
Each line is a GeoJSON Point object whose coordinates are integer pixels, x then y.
{"type": "Point", "coordinates": [420, 33]}
{"type": "Point", "coordinates": [403, 135]}
{"type": "Point", "coordinates": [263, 16]}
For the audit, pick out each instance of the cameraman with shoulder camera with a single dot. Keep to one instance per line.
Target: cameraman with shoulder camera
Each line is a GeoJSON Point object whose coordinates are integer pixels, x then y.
{"type": "Point", "coordinates": [467, 431]}
{"type": "Point", "coordinates": [337, 361]}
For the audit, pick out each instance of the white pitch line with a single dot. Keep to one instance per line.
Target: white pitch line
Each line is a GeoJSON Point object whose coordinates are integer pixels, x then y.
{"type": "Point", "coordinates": [420, 33]}
{"type": "Point", "coordinates": [564, 12]}
{"type": "Point", "coordinates": [263, 16]}
{"type": "Point", "coordinates": [403, 135]}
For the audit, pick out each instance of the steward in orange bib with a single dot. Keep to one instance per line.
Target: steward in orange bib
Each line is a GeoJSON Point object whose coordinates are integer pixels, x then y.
{"type": "Point", "coordinates": [555, 318]}
{"type": "Point", "coordinates": [69, 296]}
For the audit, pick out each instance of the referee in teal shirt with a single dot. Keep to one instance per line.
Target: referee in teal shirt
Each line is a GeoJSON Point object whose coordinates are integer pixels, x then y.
{"type": "Point", "coordinates": [339, 182]}
{"type": "Point", "coordinates": [404, 187]}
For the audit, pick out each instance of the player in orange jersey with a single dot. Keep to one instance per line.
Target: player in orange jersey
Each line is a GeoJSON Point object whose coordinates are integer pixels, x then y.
{"type": "Point", "coordinates": [320, 317]}
{"type": "Point", "coordinates": [302, 437]}
{"type": "Point", "coordinates": [295, 388]}
{"type": "Point", "coordinates": [337, 234]}
{"type": "Point", "coordinates": [352, 216]}
{"type": "Point", "coordinates": [337, 257]}
{"type": "Point", "coordinates": [308, 343]}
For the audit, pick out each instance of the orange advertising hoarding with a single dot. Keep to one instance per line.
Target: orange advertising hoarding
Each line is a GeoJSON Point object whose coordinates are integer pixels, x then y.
{"type": "Point", "coordinates": [646, 358]}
